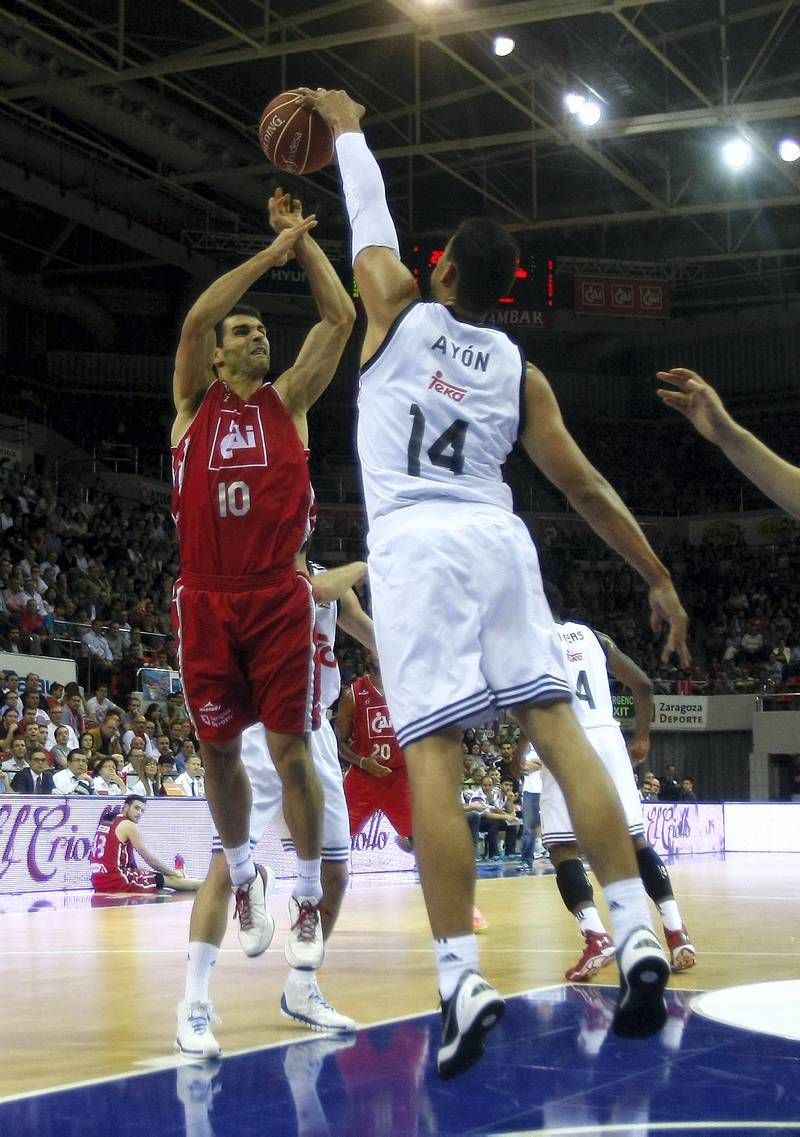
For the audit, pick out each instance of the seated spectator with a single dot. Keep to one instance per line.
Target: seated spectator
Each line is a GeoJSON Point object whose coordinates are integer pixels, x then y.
{"type": "Point", "coordinates": [107, 782]}
{"type": "Point", "coordinates": [36, 777]}
{"type": "Point", "coordinates": [17, 757]}
{"type": "Point", "coordinates": [670, 790]}
{"type": "Point", "coordinates": [192, 780]}
{"type": "Point", "coordinates": [99, 705]}
{"type": "Point", "coordinates": [72, 714]}
{"type": "Point", "coordinates": [99, 663]}
{"type": "Point", "coordinates": [687, 790]}
{"type": "Point", "coordinates": [8, 729]}
{"type": "Point", "coordinates": [75, 779]}
{"type": "Point", "coordinates": [148, 784]}
{"type": "Point", "coordinates": [107, 735]}
{"type": "Point", "coordinates": [60, 748]}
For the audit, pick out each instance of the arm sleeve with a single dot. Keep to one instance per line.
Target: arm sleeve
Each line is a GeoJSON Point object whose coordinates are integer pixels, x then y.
{"type": "Point", "coordinates": [365, 196]}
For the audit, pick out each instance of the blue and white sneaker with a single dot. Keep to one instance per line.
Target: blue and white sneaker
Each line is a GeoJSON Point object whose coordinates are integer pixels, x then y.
{"type": "Point", "coordinates": [643, 974]}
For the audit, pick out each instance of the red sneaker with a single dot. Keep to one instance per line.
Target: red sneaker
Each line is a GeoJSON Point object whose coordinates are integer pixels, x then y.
{"type": "Point", "coordinates": [598, 952]}
{"type": "Point", "coordinates": [681, 949]}
{"type": "Point", "coordinates": [479, 921]}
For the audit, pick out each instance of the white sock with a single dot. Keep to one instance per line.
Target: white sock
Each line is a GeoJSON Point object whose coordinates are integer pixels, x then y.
{"type": "Point", "coordinates": [240, 864]}
{"type": "Point", "coordinates": [308, 883]}
{"type": "Point", "coordinates": [670, 915]}
{"type": "Point", "coordinates": [627, 902]}
{"type": "Point", "coordinates": [589, 921]}
{"type": "Point", "coordinates": [454, 956]}
{"type": "Point", "coordinates": [202, 958]}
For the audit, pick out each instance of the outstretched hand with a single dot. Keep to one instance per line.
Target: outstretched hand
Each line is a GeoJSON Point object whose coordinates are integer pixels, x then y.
{"type": "Point", "coordinates": [334, 107]}
{"type": "Point", "coordinates": [697, 400]}
{"type": "Point", "coordinates": [666, 608]}
{"type": "Point", "coordinates": [283, 246]}
{"type": "Point", "coordinates": [284, 210]}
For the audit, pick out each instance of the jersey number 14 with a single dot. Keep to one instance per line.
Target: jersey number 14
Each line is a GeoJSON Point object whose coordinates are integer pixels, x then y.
{"type": "Point", "coordinates": [446, 451]}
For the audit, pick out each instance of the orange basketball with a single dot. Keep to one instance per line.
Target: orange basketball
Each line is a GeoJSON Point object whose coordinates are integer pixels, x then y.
{"type": "Point", "coordinates": [294, 138]}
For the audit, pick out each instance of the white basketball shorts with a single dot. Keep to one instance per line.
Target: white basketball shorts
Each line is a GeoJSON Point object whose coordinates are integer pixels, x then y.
{"type": "Point", "coordinates": [268, 794]}
{"type": "Point", "coordinates": [609, 744]}
{"type": "Point", "coordinates": [461, 621]}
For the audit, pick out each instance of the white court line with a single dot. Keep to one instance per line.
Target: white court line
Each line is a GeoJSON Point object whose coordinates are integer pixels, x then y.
{"type": "Point", "coordinates": [147, 1066]}
{"type": "Point", "coordinates": [656, 1127]}
{"type": "Point", "coordinates": [485, 949]}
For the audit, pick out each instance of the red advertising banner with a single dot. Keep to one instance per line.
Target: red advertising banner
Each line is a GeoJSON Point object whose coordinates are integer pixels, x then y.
{"type": "Point", "coordinates": [622, 296]}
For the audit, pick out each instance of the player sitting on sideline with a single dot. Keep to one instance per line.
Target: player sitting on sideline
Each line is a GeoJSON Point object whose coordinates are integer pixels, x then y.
{"type": "Point", "coordinates": [589, 657]}
{"type": "Point", "coordinates": [113, 864]}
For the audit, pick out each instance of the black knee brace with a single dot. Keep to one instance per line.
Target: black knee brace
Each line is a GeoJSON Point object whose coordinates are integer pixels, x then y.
{"type": "Point", "coordinates": [573, 884]}
{"type": "Point", "coordinates": [655, 877]}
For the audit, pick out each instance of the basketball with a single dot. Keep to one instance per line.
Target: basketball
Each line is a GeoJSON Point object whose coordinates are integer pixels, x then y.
{"type": "Point", "coordinates": [294, 138]}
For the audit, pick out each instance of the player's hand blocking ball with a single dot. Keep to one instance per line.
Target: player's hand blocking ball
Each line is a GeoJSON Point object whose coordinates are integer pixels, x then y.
{"type": "Point", "coordinates": [293, 136]}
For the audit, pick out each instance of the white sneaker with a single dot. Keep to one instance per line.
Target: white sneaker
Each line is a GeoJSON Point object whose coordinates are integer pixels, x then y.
{"type": "Point", "coordinates": [194, 1036]}
{"type": "Point", "coordinates": [304, 948]}
{"type": "Point", "coordinates": [310, 1008]}
{"type": "Point", "coordinates": [467, 1016]}
{"type": "Point", "coordinates": [256, 925]}
{"type": "Point", "coordinates": [643, 975]}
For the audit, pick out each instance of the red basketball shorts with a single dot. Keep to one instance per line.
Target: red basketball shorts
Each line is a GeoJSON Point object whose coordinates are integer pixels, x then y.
{"type": "Point", "coordinates": [133, 880]}
{"type": "Point", "coordinates": [365, 795]}
{"type": "Point", "coordinates": [246, 656]}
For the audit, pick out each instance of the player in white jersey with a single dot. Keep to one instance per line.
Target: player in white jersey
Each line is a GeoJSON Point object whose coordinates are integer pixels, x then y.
{"type": "Point", "coordinates": [302, 999]}
{"type": "Point", "coordinates": [589, 657]}
{"type": "Point", "coordinates": [443, 398]}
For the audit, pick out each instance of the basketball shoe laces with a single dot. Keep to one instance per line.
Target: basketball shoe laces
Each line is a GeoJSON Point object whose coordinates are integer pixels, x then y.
{"type": "Point", "coordinates": [242, 911]}
{"type": "Point", "coordinates": [306, 922]}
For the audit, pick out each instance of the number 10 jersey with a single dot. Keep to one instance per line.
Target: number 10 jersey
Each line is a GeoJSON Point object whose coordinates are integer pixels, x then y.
{"type": "Point", "coordinates": [439, 410]}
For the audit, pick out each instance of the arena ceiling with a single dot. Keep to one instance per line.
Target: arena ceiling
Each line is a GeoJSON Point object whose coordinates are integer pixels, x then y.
{"type": "Point", "coordinates": [129, 147]}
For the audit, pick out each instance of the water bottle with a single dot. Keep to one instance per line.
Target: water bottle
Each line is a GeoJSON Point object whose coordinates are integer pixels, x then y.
{"type": "Point", "coordinates": [180, 863]}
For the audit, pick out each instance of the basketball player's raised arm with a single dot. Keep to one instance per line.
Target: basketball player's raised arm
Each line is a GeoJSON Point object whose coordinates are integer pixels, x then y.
{"type": "Point", "coordinates": [705, 410]}
{"type": "Point", "coordinates": [385, 285]}
{"type": "Point", "coordinates": [303, 383]}
{"type": "Point", "coordinates": [195, 350]}
{"type": "Point", "coordinates": [555, 452]}
{"type": "Point", "coordinates": [622, 667]}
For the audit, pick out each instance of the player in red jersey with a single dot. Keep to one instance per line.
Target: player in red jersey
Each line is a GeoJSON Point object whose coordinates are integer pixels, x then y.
{"type": "Point", "coordinates": [113, 864]}
{"type": "Point", "coordinates": [243, 614]}
{"type": "Point", "coordinates": [378, 779]}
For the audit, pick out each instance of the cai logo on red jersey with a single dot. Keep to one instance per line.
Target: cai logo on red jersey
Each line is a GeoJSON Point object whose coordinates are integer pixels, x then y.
{"type": "Point", "coordinates": [378, 723]}
{"type": "Point", "coordinates": [239, 440]}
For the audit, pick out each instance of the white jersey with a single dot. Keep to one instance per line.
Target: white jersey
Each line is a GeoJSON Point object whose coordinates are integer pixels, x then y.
{"type": "Point", "coordinates": [328, 677]}
{"type": "Point", "coordinates": [587, 669]}
{"type": "Point", "coordinates": [438, 412]}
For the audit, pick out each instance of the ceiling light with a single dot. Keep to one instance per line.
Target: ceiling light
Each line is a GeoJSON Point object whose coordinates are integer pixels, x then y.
{"type": "Point", "coordinates": [503, 45]}
{"type": "Point", "coordinates": [574, 102]}
{"type": "Point", "coordinates": [590, 113]}
{"type": "Point", "coordinates": [737, 153]}
{"type": "Point", "coordinates": [789, 150]}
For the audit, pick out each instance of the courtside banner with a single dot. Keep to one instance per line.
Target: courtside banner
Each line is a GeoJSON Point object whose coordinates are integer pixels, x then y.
{"type": "Point", "coordinates": [680, 712]}
{"type": "Point", "coordinates": [45, 841]}
{"type": "Point", "coordinates": [680, 827]}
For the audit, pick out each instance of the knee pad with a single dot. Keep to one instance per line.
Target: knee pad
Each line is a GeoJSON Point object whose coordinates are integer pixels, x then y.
{"type": "Point", "coordinates": [653, 872]}
{"type": "Point", "coordinates": [573, 884]}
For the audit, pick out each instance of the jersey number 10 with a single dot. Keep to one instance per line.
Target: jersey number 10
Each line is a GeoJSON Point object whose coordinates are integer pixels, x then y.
{"type": "Point", "coordinates": [451, 440]}
{"type": "Point", "coordinates": [233, 498]}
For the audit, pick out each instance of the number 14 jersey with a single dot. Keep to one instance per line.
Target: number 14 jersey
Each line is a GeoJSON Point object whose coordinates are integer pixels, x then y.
{"type": "Point", "coordinates": [439, 410]}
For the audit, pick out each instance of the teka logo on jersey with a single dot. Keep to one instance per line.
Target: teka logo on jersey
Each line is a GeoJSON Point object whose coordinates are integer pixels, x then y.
{"type": "Point", "coordinates": [380, 722]}
{"type": "Point", "coordinates": [239, 440]}
{"type": "Point", "coordinates": [439, 384]}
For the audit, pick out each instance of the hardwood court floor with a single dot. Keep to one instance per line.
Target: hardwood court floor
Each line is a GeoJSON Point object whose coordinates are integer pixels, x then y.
{"type": "Point", "coordinates": [91, 991]}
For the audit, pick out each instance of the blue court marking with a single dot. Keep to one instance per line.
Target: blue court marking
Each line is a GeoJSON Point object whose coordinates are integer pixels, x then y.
{"type": "Point", "coordinates": [551, 1067]}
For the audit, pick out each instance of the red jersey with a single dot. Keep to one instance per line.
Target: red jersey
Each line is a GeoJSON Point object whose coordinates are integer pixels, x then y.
{"type": "Point", "coordinates": [109, 854]}
{"type": "Point", "coordinates": [241, 491]}
{"type": "Point", "coordinates": [373, 734]}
